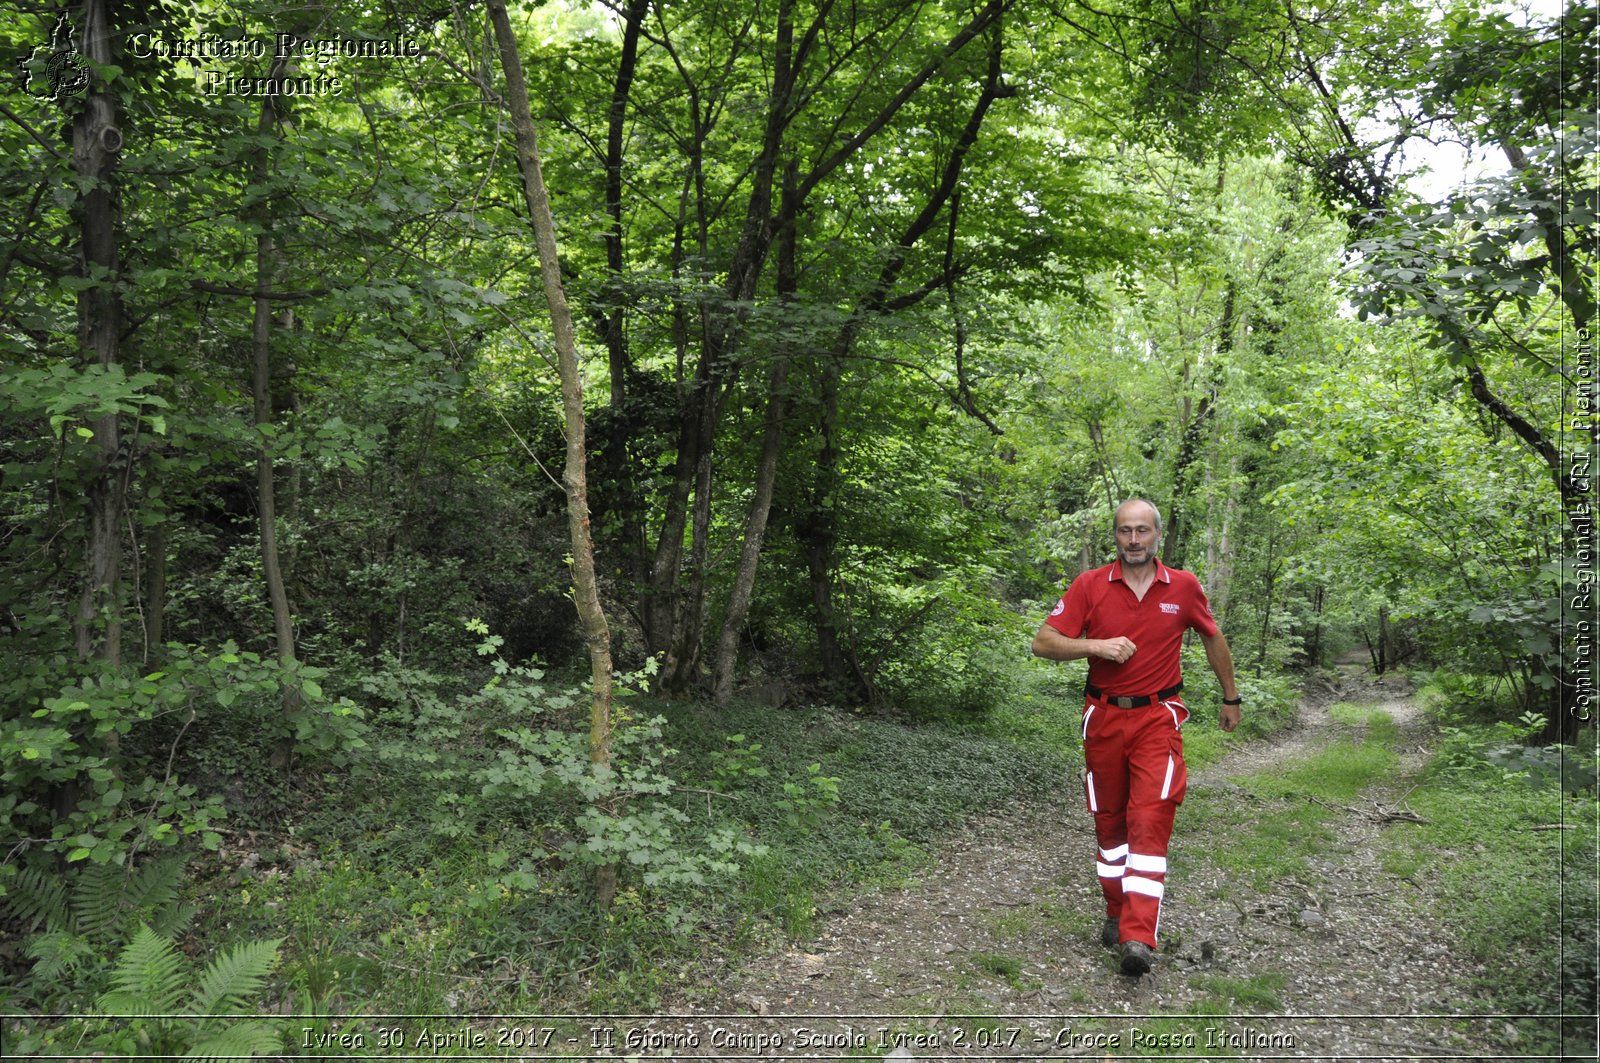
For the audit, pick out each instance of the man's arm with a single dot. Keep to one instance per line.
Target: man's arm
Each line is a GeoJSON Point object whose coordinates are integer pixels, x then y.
{"type": "Point", "coordinates": [1221, 660]}
{"type": "Point", "coordinates": [1052, 645]}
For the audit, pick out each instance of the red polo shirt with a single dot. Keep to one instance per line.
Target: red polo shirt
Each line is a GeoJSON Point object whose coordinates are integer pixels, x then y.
{"type": "Point", "coordinates": [1100, 605]}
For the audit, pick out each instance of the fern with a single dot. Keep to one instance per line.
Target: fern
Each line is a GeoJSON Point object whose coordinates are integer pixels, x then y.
{"type": "Point", "coordinates": [105, 901]}
{"type": "Point", "coordinates": [232, 979]}
{"type": "Point", "coordinates": [152, 975]}
{"type": "Point", "coordinates": [97, 907]}
{"type": "Point", "coordinates": [153, 892]}
{"type": "Point", "coordinates": [106, 898]}
{"type": "Point", "coordinates": [148, 979]}
{"type": "Point", "coordinates": [246, 1039]}
{"type": "Point", "coordinates": [59, 955]}
{"type": "Point", "coordinates": [37, 899]}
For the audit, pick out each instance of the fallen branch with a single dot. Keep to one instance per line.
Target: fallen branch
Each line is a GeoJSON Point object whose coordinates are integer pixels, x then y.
{"type": "Point", "coordinates": [1377, 813]}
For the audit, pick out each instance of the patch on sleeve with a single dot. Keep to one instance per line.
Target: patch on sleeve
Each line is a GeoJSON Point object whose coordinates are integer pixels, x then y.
{"type": "Point", "coordinates": [1060, 608]}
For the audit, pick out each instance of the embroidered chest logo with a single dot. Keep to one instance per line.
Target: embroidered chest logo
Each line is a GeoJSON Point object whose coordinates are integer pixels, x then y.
{"type": "Point", "coordinates": [1169, 607]}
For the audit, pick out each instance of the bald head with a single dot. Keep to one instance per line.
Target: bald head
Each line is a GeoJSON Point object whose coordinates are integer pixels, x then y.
{"type": "Point", "coordinates": [1132, 508]}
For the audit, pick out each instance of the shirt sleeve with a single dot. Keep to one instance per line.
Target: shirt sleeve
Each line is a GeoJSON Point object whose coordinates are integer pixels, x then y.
{"type": "Point", "coordinates": [1071, 614]}
{"type": "Point", "coordinates": [1200, 617]}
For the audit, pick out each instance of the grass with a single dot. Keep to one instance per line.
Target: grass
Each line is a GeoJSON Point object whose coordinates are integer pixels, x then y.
{"type": "Point", "coordinates": [1497, 889]}
{"type": "Point", "coordinates": [1265, 849]}
{"type": "Point", "coordinates": [407, 891]}
{"type": "Point", "coordinates": [1007, 969]}
{"type": "Point", "coordinates": [1341, 769]}
{"type": "Point", "coordinates": [1259, 993]}
{"type": "Point", "coordinates": [1274, 833]}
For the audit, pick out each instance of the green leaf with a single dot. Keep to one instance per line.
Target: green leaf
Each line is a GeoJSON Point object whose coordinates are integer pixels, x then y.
{"type": "Point", "coordinates": [149, 970]}
{"type": "Point", "coordinates": [231, 981]}
{"type": "Point", "coordinates": [248, 1039]}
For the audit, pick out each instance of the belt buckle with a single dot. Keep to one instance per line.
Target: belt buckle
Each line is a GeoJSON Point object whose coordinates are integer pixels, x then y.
{"type": "Point", "coordinates": [1124, 703]}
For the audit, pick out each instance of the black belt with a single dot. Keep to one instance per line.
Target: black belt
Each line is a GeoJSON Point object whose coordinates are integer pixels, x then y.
{"type": "Point", "coordinates": [1131, 703]}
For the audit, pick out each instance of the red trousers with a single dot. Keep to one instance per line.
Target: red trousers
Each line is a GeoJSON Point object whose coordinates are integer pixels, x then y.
{"type": "Point", "coordinates": [1134, 779]}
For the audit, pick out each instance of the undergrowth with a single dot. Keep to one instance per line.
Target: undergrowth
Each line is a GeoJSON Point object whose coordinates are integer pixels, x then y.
{"type": "Point", "coordinates": [384, 903]}
{"type": "Point", "coordinates": [1510, 848]}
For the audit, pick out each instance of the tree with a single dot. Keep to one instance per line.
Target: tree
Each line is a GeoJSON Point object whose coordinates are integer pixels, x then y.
{"type": "Point", "coordinates": [96, 142]}
{"type": "Point", "coordinates": [1500, 271]}
{"type": "Point", "coordinates": [585, 587]}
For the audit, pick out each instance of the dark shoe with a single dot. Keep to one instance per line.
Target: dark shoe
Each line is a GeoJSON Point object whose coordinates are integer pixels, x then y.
{"type": "Point", "coordinates": [1109, 932]}
{"type": "Point", "coordinates": [1135, 958]}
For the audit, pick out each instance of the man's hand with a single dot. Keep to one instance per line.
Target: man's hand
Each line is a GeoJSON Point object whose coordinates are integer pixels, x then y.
{"type": "Point", "coordinates": [1228, 718]}
{"type": "Point", "coordinates": [1117, 650]}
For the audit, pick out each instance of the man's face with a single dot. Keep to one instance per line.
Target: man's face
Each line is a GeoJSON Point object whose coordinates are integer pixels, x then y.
{"type": "Point", "coordinates": [1137, 537]}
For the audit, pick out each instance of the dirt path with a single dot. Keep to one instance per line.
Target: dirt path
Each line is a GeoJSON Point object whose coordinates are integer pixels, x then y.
{"type": "Point", "coordinates": [1332, 962]}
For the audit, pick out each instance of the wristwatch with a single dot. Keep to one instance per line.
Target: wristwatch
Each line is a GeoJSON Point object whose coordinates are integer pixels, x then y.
{"type": "Point", "coordinates": [1233, 701]}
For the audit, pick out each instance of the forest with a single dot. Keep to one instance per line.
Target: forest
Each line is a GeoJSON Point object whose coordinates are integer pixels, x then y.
{"type": "Point", "coordinates": [503, 502]}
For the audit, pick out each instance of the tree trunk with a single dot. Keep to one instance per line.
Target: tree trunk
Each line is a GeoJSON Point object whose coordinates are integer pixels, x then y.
{"type": "Point", "coordinates": [1219, 548]}
{"type": "Point", "coordinates": [585, 584]}
{"type": "Point", "coordinates": [1175, 545]}
{"type": "Point", "coordinates": [614, 324]}
{"type": "Point", "coordinates": [1314, 651]}
{"type": "Point", "coordinates": [820, 533]}
{"type": "Point", "coordinates": [268, 127]}
{"type": "Point", "coordinates": [717, 371]}
{"type": "Point", "coordinates": [155, 590]}
{"type": "Point", "coordinates": [1266, 608]}
{"type": "Point", "coordinates": [1383, 639]}
{"type": "Point", "coordinates": [669, 604]}
{"type": "Point", "coordinates": [755, 527]}
{"type": "Point", "coordinates": [266, 499]}
{"type": "Point", "coordinates": [96, 140]}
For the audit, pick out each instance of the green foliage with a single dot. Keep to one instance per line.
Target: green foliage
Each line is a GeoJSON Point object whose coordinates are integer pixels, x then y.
{"type": "Point", "coordinates": [75, 921]}
{"type": "Point", "coordinates": [68, 396]}
{"type": "Point", "coordinates": [806, 804]}
{"type": "Point", "coordinates": [1477, 744]}
{"type": "Point", "coordinates": [1490, 904]}
{"type": "Point", "coordinates": [1099, 306]}
{"type": "Point", "coordinates": [731, 767]}
{"type": "Point", "coordinates": [98, 740]}
{"type": "Point", "coordinates": [955, 656]}
{"type": "Point", "coordinates": [511, 751]}
{"type": "Point", "coordinates": [1392, 468]}
{"type": "Point", "coordinates": [152, 980]}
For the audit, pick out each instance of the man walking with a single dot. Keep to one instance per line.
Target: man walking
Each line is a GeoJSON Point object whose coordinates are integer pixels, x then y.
{"type": "Point", "coordinates": [1129, 618]}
